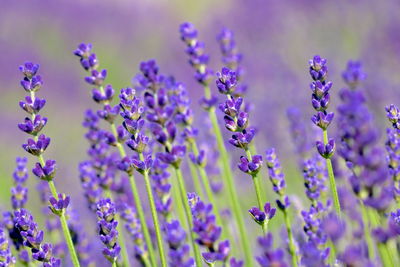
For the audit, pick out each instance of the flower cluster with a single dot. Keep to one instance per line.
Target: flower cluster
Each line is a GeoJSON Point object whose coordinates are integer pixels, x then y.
{"type": "Point", "coordinates": [179, 250]}
{"type": "Point", "coordinates": [393, 150]}
{"type": "Point", "coordinates": [6, 258]}
{"type": "Point", "coordinates": [207, 231]}
{"type": "Point", "coordinates": [320, 101]}
{"type": "Point", "coordinates": [107, 229]}
{"type": "Point", "coordinates": [19, 193]}
{"type": "Point", "coordinates": [134, 229]}
{"type": "Point", "coordinates": [33, 239]}
{"type": "Point", "coordinates": [270, 256]}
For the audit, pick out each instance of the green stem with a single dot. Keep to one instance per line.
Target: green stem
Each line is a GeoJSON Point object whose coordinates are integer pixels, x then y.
{"type": "Point", "coordinates": [180, 213]}
{"type": "Point", "coordinates": [142, 219]}
{"type": "Point", "coordinates": [332, 253]}
{"type": "Point", "coordinates": [188, 213]}
{"type": "Point", "coordinates": [64, 225]}
{"type": "Point", "coordinates": [367, 231]}
{"type": "Point", "coordinates": [228, 181]}
{"type": "Point", "coordinates": [207, 187]}
{"type": "Point", "coordinates": [121, 238]}
{"type": "Point", "coordinates": [292, 248]}
{"type": "Point", "coordinates": [383, 250]}
{"type": "Point", "coordinates": [195, 178]}
{"type": "Point", "coordinates": [114, 264]}
{"type": "Point", "coordinates": [154, 215]}
{"type": "Point", "coordinates": [332, 182]}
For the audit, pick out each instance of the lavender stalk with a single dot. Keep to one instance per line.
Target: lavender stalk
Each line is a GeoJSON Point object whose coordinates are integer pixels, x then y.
{"type": "Point", "coordinates": [320, 102]}
{"type": "Point", "coordinates": [44, 170]}
{"type": "Point", "coordinates": [90, 63]}
{"type": "Point", "coordinates": [199, 60]}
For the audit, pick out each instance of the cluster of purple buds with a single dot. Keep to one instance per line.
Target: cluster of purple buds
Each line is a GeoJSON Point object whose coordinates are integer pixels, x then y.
{"type": "Point", "coordinates": [354, 74]}
{"type": "Point", "coordinates": [132, 112]}
{"type": "Point", "coordinates": [179, 253]}
{"type": "Point", "coordinates": [19, 193]}
{"type": "Point", "coordinates": [320, 101]}
{"type": "Point", "coordinates": [6, 258]}
{"type": "Point", "coordinates": [161, 187]}
{"type": "Point", "coordinates": [197, 56]}
{"type": "Point", "coordinates": [230, 55]}
{"type": "Point", "coordinates": [393, 114]}
{"type": "Point", "coordinates": [314, 177]}
{"type": "Point", "coordinates": [134, 229]}
{"type": "Point", "coordinates": [60, 204]}
{"type": "Point", "coordinates": [320, 88]}
{"type": "Point", "coordinates": [33, 239]}
{"type": "Point", "coordinates": [262, 217]}
{"type": "Point", "coordinates": [160, 112]}
{"type": "Point", "coordinates": [270, 256]}
{"type": "Point", "coordinates": [393, 158]}
{"type": "Point", "coordinates": [277, 178]}
{"type": "Point", "coordinates": [207, 231]}
{"type": "Point", "coordinates": [108, 229]}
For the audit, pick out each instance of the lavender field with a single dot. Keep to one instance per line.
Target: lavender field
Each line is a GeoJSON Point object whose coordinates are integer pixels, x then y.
{"type": "Point", "coordinates": [200, 133]}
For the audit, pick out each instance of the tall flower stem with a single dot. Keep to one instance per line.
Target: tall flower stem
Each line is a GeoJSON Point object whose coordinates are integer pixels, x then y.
{"type": "Point", "coordinates": [63, 219]}
{"type": "Point", "coordinates": [232, 192]}
{"type": "Point", "coordinates": [207, 187]}
{"type": "Point", "coordinates": [189, 219]}
{"type": "Point", "coordinates": [367, 231]}
{"type": "Point", "coordinates": [64, 224]}
{"type": "Point", "coordinates": [135, 193]}
{"type": "Point", "coordinates": [121, 238]}
{"type": "Point", "coordinates": [256, 183]}
{"type": "Point", "coordinates": [154, 215]}
{"type": "Point", "coordinates": [292, 248]}
{"type": "Point", "coordinates": [332, 182]}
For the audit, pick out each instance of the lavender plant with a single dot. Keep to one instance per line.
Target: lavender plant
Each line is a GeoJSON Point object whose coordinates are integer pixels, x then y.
{"type": "Point", "coordinates": [183, 223]}
{"type": "Point", "coordinates": [44, 170]}
{"type": "Point", "coordinates": [199, 60]}
{"type": "Point", "coordinates": [320, 102]}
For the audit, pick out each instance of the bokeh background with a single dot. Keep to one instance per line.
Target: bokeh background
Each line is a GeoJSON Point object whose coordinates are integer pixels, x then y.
{"type": "Point", "coordinates": [276, 38]}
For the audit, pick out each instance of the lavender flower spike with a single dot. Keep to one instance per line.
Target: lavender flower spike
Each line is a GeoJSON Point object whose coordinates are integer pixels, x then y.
{"type": "Point", "coordinates": [108, 229]}
{"type": "Point", "coordinates": [6, 258]}
{"type": "Point", "coordinates": [277, 179]}
{"type": "Point", "coordinates": [44, 170]}
{"type": "Point", "coordinates": [320, 101]}
{"type": "Point", "coordinates": [33, 239]}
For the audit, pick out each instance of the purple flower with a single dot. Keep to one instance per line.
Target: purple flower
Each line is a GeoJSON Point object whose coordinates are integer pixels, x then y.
{"type": "Point", "coordinates": [354, 74]}
{"type": "Point", "coordinates": [134, 229]}
{"type": "Point", "coordinates": [262, 217]}
{"type": "Point", "coordinates": [33, 238]}
{"type": "Point", "coordinates": [108, 229]}
{"type": "Point", "coordinates": [109, 113]}
{"type": "Point", "coordinates": [243, 139]}
{"type": "Point", "coordinates": [322, 120]}
{"type": "Point", "coordinates": [97, 77]}
{"type": "Point", "coordinates": [355, 255]}
{"type": "Point", "coordinates": [34, 126]}
{"type": "Point", "coordinates": [327, 150]}
{"type": "Point", "coordinates": [19, 196]}
{"type": "Point", "coordinates": [37, 148]}
{"type": "Point", "coordinates": [219, 255]}
{"type": "Point", "coordinates": [173, 157]}
{"type": "Point", "coordinates": [103, 96]}
{"type": "Point", "coordinates": [46, 172]}
{"type": "Point", "coordinates": [29, 69]}
{"type": "Point", "coordinates": [20, 173]}
{"type": "Point", "coordinates": [252, 167]}
{"type": "Point", "coordinates": [231, 58]}
{"type": "Point", "coordinates": [143, 166]}
{"type": "Point", "coordinates": [227, 81]}
{"type": "Point", "coordinates": [314, 174]}
{"type": "Point", "coordinates": [179, 251]}
{"type": "Point", "coordinates": [59, 205]}
{"type": "Point", "coordinates": [196, 51]}
{"type": "Point", "coordinates": [32, 106]}
{"type": "Point", "coordinates": [206, 229]}
{"type": "Point", "coordinates": [275, 172]}
{"type": "Point", "coordinates": [269, 256]}
{"type": "Point", "coordinates": [6, 258]}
